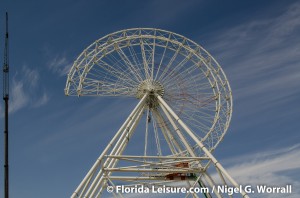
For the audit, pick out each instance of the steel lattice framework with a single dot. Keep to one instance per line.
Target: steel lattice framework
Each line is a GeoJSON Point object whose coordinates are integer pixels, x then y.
{"type": "Point", "coordinates": [184, 97]}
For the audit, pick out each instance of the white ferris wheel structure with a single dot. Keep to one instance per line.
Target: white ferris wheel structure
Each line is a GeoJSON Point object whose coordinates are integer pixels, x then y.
{"type": "Point", "coordinates": [184, 107]}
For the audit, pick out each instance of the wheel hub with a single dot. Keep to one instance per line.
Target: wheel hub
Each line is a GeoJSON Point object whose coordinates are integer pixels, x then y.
{"type": "Point", "coordinates": [152, 87]}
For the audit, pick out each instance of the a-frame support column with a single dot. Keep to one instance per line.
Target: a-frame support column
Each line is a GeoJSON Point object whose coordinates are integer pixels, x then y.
{"type": "Point", "coordinates": [200, 144]}
{"type": "Point", "coordinates": [87, 179]}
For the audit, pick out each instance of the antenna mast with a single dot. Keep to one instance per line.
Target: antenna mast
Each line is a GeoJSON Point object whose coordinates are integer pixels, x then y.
{"type": "Point", "coordinates": [6, 98]}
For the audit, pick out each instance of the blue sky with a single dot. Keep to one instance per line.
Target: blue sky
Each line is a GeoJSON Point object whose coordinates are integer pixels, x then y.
{"type": "Point", "coordinates": [55, 139]}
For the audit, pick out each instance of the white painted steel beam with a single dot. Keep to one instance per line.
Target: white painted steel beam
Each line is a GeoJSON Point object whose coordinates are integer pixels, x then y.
{"type": "Point", "coordinates": [200, 144]}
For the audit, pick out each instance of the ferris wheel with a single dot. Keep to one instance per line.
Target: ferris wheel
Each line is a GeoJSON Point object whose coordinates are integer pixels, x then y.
{"type": "Point", "coordinates": [184, 107]}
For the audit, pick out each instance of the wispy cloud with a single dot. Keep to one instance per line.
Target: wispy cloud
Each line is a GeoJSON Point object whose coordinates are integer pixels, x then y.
{"type": "Point", "coordinates": [60, 65]}
{"type": "Point", "coordinates": [19, 98]}
{"type": "Point", "coordinates": [31, 76]}
{"type": "Point", "coordinates": [25, 90]}
{"type": "Point", "coordinates": [57, 62]}
{"type": "Point", "coordinates": [272, 168]}
{"type": "Point", "coordinates": [261, 58]}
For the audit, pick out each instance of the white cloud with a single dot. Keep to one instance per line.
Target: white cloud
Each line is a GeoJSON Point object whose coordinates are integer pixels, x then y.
{"type": "Point", "coordinates": [30, 76]}
{"type": "Point", "coordinates": [19, 98]}
{"type": "Point", "coordinates": [25, 90]}
{"type": "Point", "coordinates": [60, 65]}
{"type": "Point", "coordinates": [287, 22]}
{"type": "Point", "coordinates": [272, 168]}
{"type": "Point", "coordinates": [261, 58]}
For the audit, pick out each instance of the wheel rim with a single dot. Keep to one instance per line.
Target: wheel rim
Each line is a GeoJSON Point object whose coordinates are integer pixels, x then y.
{"type": "Point", "coordinates": [181, 71]}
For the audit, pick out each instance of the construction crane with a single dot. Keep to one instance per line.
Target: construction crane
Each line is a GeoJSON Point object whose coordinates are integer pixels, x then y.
{"type": "Point", "coordinates": [6, 98]}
